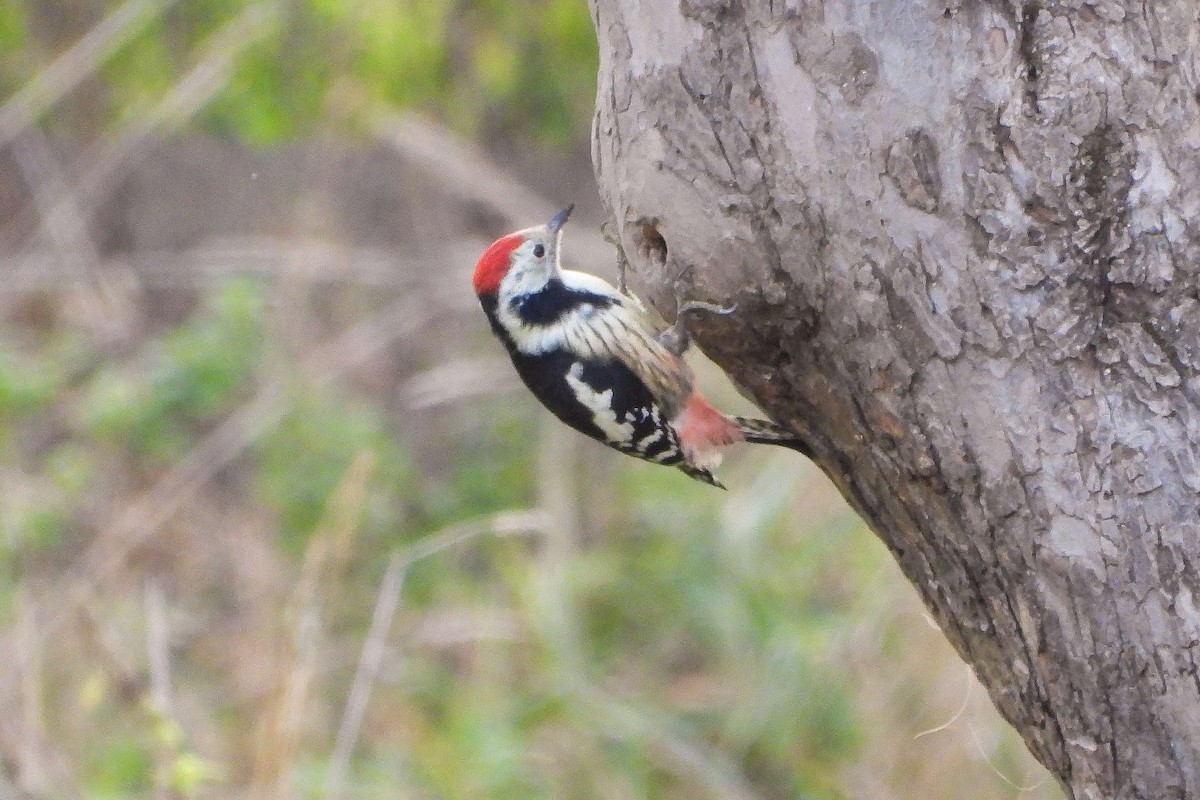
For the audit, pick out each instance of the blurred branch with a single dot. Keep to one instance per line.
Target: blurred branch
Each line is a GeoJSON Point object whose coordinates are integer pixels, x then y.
{"type": "Point", "coordinates": [505, 523]}
{"type": "Point", "coordinates": [24, 743]}
{"type": "Point", "coordinates": [460, 167]}
{"type": "Point", "coordinates": [463, 170]}
{"type": "Point", "coordinates": [64, 224]}
{"type": "Point", "coordinates": [61, 221]}
{"type": "Point", "coordinates": [324, 562]}
{"type": "Point", "coordinates": [558, 493]}
{"type": "Point", "coordinates": [109, 656]}
{"type": "Point", "coordinates": [158, 701]}
{"type": "Point", "coordinates": [191, 93]}
{"type": "Point", "coordinates": [143, 517]}
{"type": "Point", "coordinates": [158, 644]}
{"type": "Point", "coordinates": [459, 379]}
{"type": "Point", "coordinates": [322, 263]}
{"type": "Point", "coordinates": [677, 752]}
{"type": "Point", "coordinates": [387, 601]}
{"type": "Point", "coordinates": [82, 59]}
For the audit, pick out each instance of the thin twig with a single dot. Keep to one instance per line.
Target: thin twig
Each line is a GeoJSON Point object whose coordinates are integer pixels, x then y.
{"type": "Point", "coordinates": [1021, 788]}
{"type": "Point", "coordinates": [158, 645]}
{"type": "Point", "coordinates": [324, 562]}
{"type": "Point", "coordinates": [387, 601]}
{"type": "Point", "coordinates": [369, 663]}
{"type": "Point", "coordinates": [957, 714]}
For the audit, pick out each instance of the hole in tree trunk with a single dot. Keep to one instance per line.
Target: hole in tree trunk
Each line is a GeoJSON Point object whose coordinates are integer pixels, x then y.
{"type": "Point", "coordinates": [650, 242]}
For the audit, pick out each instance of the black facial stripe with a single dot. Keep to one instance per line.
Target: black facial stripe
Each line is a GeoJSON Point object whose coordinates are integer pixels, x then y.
{"type": "Point", "coordinates": [549, 304]}
{"type": "Point", "coordinates": [490, 305]}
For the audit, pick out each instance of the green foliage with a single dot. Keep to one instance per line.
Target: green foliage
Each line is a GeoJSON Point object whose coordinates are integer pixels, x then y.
{"type": "Point", "coordinates": [768, 632]}
{"type": "Point", "coordinates": [13, 26]}
{"type": "Point", "coordinates": [498, 477]}
{"type": "Point", "coordinates": [279, 88]}
{"type": "Point", "coordinates": [26, 385]}
{"type": "Point", "coordinates": [194, 375]}
{"type": "Point", "coordinates": [302, 460]}
{"type": "Point", "coordinates": [122, 767]}
{"type": "Point", "coordinates": [490, 68]}
{"type": "Point", "coordinates": [36, 512]}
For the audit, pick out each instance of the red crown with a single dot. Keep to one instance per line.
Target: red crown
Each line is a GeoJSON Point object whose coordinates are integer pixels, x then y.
{"type": "Point", "coordinates": [493, 264]}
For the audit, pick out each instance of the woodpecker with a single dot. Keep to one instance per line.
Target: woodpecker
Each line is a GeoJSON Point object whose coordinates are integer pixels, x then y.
{"type": "Point", "coordinates": [590, 355]}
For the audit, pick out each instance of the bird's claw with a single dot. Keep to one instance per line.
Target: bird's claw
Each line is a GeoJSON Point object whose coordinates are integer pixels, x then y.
{"type": "Point", "coordinates": [676, 338]}
{"type": "Point", "coordinates": [700, 305]}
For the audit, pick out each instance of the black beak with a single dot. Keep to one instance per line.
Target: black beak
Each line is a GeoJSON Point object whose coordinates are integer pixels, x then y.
{"type": "Point", "coordinates": [560, 218]}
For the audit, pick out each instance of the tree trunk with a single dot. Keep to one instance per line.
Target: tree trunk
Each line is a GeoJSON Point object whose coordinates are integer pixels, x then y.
{"type": "Point", "coordinates": [964, 241]}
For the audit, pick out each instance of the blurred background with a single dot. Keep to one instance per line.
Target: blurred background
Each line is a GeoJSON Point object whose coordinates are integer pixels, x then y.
{"type": "Point", "coordinates": [276, 519]}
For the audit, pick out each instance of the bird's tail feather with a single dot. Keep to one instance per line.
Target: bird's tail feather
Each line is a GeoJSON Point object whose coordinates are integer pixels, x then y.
{"type": "Point", "coordinates": [701, 474]}
{"type": "Point", "coordinates": [762, 431]}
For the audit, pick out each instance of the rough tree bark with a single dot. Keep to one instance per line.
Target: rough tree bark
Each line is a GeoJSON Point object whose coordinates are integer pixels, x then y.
{"type": "Point", "coordinates": [964, 241]}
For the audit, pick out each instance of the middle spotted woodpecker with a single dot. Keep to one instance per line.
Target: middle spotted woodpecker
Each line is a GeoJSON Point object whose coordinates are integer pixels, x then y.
{"type": "Point", "coordinates": [589, 354]}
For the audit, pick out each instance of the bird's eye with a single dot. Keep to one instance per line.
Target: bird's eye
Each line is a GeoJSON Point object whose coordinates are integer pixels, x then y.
{"type": "Point", "coordinates": [538, 251]}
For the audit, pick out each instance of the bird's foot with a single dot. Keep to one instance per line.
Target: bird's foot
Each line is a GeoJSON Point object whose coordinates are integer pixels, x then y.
{"type": "Point", "coordinates": [676, 338]}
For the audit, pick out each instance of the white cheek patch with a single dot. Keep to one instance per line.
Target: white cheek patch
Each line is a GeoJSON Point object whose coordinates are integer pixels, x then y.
{"type": "Point", "coordinates": [600, 404]}
{"type": "Point", "coordinates": [524, 278]}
